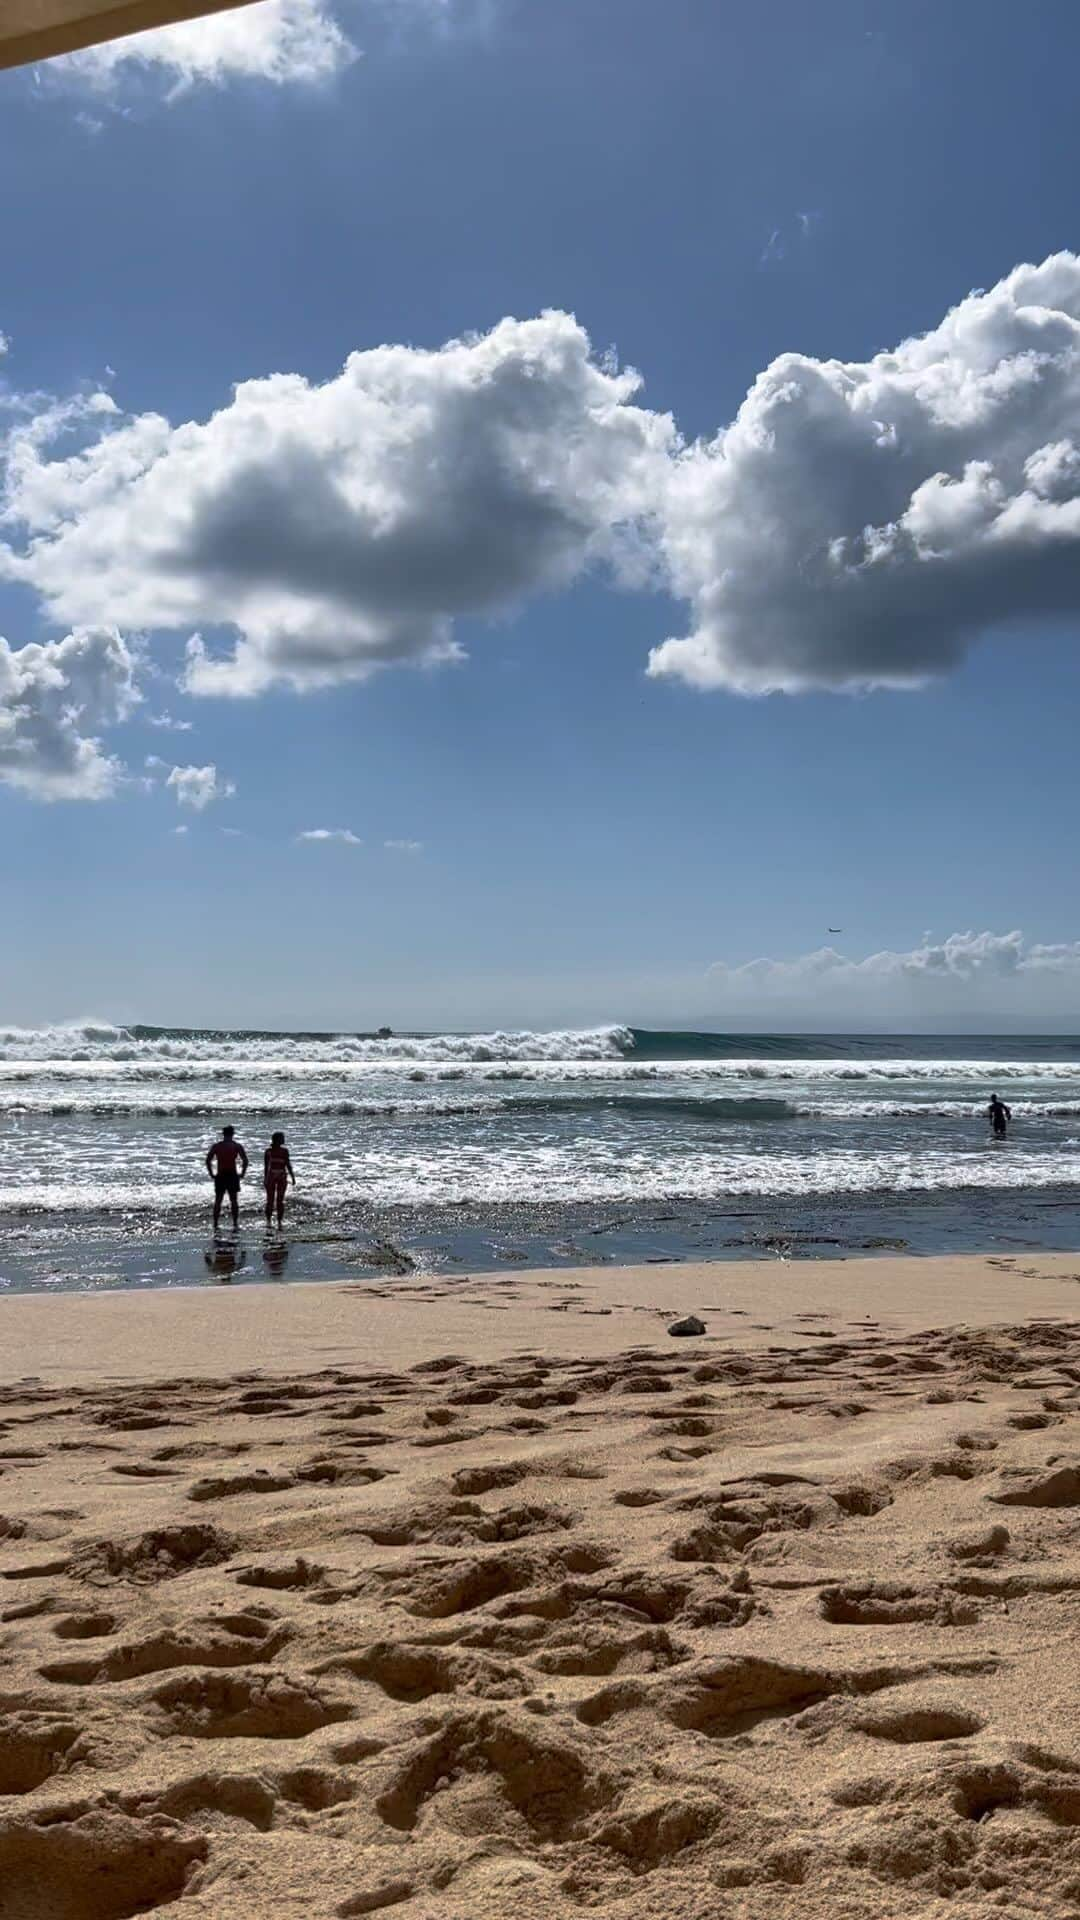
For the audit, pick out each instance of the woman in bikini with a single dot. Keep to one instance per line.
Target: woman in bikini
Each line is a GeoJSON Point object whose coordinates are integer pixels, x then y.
{"type": "Point", "coordinates": [277, 1169]}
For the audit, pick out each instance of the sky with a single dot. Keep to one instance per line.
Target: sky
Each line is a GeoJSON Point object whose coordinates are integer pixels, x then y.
{"type": "Point", "coordinates": [513, 518]}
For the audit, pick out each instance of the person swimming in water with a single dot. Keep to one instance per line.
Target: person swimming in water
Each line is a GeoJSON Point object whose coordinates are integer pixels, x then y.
{"type": "Point", "coordinates": [277, 1170]}
{"type": "Point", "coordinates": [999, 1116]}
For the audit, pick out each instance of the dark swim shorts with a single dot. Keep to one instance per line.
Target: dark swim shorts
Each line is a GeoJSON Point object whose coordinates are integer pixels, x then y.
{"type": "Point", "coordinates": [227, 1185]}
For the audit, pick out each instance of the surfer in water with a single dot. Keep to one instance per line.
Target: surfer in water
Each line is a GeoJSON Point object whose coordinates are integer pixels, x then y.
{"type": "Point", "coordinates": [999, 1116]}
{"type": "Point", "coordinates": [277, 1169]}
{"type": "Point", "coordinates": [227, 1163]}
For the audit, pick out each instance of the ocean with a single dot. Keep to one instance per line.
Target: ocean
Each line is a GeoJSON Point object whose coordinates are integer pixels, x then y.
{"type": "Point", "coordinates": [456, 1151]}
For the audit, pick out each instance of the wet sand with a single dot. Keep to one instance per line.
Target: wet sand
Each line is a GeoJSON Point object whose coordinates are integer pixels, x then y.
{"type": "Point", "coordinates": [461, 1595]}
{"type": "Point", "coordinates": [148, 1334]}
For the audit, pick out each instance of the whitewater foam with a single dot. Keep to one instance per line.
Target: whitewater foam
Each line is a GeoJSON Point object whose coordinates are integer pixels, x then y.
{"type": "Point", "coordinates": [119, 1117]}
{"type": "Point", "coordinates": [81, 1042]}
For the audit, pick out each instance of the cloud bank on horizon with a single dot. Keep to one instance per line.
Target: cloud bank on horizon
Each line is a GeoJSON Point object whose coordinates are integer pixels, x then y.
{"type": "Point", "coordinates": [857, 525]}
{"type": "Point", "coordinates": [1000, 974]}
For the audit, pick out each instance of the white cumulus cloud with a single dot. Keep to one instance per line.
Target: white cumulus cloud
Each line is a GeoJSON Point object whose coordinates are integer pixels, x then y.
{"type": "Point", "coordinates": [1000, 973]}
{"type": "Point", "coordinates": [281, 41]}
{"type": "Point", "coordinates": [54, 697]}
{"type": "Point", "coordinates": [404, 846]}
{"type": "Point", "coordinates": [859, 523]}
{"type": "Point", "coordinates": [344, 835]}
{"type": "Point", "coordinates": [198, 787]}
{"type": "Point", "coordinates": [342, 527]}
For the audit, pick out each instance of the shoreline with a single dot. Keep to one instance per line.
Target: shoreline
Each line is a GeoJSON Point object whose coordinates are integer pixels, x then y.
{"type": "Point", "coordinates": [192, 1332]}
{"type": "Point", "coordinates": [46, 1252]}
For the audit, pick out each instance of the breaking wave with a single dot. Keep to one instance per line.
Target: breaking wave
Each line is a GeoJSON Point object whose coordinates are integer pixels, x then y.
{"type": "Point", "coordinates": [849, 1055]}
{"type": "Point", "coordinates": [106, 1116]}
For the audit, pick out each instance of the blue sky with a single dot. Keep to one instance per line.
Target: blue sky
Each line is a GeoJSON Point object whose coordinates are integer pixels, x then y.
{"type": "Point", "coordinates": [705, 189]}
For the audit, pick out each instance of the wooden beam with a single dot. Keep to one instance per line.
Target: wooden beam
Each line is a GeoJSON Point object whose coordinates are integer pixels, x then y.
{"type": "Point", "coordinates": [37, 29]}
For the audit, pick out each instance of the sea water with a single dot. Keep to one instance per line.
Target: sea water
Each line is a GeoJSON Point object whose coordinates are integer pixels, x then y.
{"type": "Point", "coordinates": [484, 1148]}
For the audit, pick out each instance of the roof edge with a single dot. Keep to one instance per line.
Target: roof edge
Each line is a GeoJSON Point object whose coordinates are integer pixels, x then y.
{"type": "Point", "coordinates": [40, 29]}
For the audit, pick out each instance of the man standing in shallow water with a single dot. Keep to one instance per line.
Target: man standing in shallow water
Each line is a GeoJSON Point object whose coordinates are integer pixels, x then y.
{"type": "Point", "coordinates": [227, 1163]}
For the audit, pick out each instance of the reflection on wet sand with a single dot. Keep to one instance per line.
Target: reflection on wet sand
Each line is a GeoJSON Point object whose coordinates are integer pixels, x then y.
{"type": "Point", "coordinates": [224, 1259]}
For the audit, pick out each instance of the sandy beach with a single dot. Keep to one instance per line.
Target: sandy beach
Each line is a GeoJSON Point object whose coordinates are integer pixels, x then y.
{"type": "Point", "coordinates": [470, 1594]}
